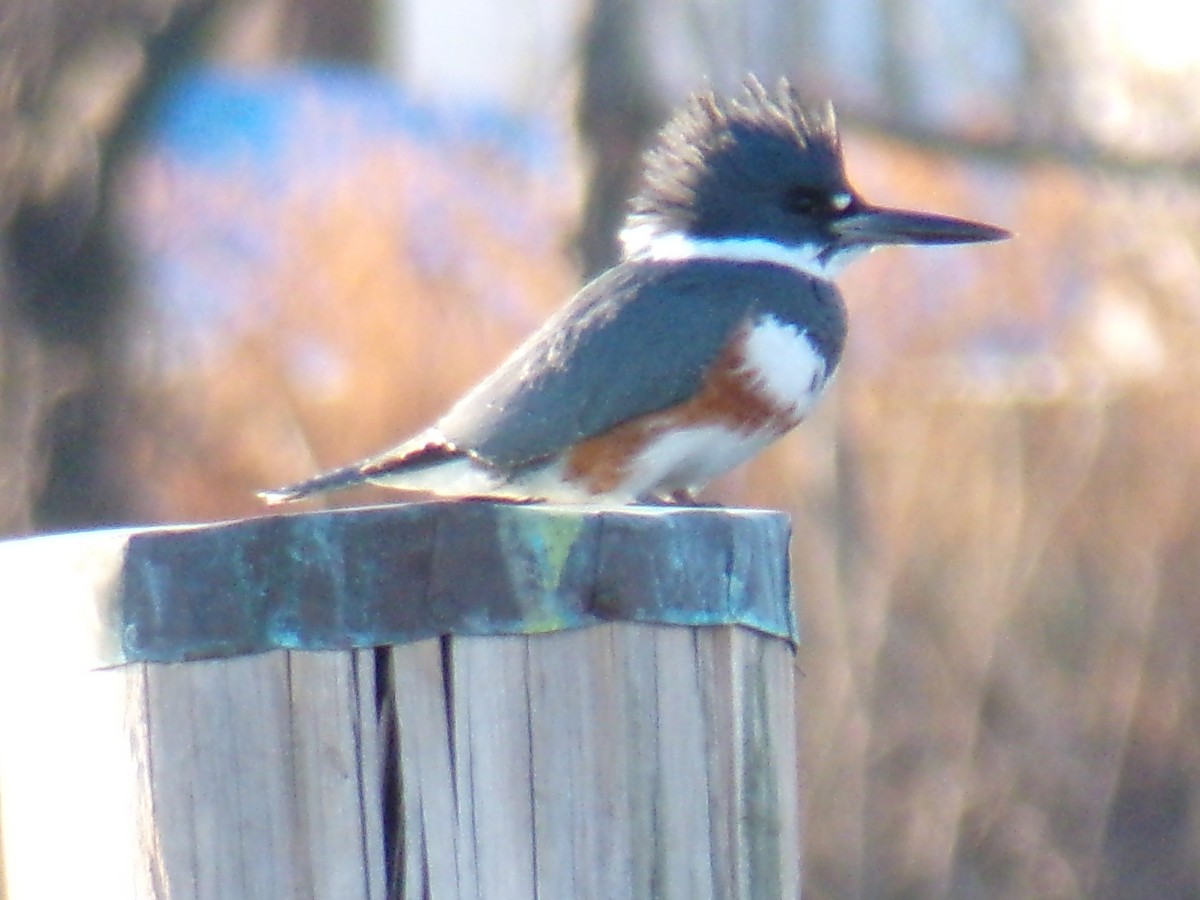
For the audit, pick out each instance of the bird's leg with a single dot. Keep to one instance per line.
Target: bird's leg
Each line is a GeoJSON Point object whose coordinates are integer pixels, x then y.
{"type": "Point", "coordinates": [678, 497]}
{"type": "Point", "coordinates": [499, 498]}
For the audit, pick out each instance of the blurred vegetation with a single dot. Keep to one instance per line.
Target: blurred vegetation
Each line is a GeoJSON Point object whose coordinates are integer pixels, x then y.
{"type": "Point", "coordinates": [997, 542]}
{"type": "Point", "coordinates": [309, 297]}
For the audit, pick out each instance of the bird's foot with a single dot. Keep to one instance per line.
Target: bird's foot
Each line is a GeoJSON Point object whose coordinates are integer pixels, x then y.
{"type": "Point", "coordinates": [500, 498]}
{"type": "Point", "coordinates": [681, 497]}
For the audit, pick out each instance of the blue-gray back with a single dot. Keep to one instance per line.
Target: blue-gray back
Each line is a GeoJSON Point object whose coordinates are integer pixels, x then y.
{"type": "Point", "coordinates": [636, 340]}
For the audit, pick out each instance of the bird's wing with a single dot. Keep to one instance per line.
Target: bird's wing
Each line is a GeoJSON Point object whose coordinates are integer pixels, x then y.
{"type": "Point", "coordinates": [636, 340]}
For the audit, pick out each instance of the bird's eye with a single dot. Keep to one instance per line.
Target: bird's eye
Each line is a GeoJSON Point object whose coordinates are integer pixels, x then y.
{"type": "Point", "coordinates": [804, 201]}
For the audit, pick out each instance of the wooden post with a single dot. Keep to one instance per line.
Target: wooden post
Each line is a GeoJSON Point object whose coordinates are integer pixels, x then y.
{"type": "Point", "coordinates": [495, 749]}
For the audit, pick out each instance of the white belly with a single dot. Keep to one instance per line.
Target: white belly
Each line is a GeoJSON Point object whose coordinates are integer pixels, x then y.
{"type": "Point", "coordinates": [689, 459]}
{"type": "Point", "coordinates": [683, 460]}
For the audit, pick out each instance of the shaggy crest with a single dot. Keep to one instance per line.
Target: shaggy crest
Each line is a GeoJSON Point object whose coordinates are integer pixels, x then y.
{"type": "Point", "coordinates": [717, 148]}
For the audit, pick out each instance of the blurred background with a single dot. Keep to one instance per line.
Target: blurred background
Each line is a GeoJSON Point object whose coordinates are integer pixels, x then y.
{"type": "Point", "coordinates": [244, 240]}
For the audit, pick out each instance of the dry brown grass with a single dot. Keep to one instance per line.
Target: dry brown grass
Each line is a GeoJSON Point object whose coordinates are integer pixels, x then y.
{"type": "Point", "coordinates": [997, 563]}
{"type": "Point", "coordinates": [999, 698]}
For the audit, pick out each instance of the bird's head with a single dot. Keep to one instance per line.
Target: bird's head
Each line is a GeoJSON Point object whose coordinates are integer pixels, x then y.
{"type": "Point", "coordinates": [761, 176]}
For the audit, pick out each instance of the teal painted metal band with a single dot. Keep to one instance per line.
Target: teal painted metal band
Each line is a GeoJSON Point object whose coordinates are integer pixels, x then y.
{"type": "Point", "coordinates": [393, 574]}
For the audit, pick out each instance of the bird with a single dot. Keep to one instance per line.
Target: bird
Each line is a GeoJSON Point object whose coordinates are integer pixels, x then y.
{"type": "Point", "coordinates": [711, 337]}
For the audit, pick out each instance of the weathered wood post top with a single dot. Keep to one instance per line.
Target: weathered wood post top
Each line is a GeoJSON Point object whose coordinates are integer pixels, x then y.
{"type": "Point", "coordinates": [434, 700]}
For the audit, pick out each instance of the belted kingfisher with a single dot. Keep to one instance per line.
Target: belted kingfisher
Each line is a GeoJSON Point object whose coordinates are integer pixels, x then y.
{"type": "Point", "coordinates": [710, 338]}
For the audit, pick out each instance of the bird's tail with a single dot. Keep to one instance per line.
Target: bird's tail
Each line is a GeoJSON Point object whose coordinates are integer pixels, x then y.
{"type": "Point", "coordinates": [389, 466]}
{"type": "Point", "coordinates": [347, 476]}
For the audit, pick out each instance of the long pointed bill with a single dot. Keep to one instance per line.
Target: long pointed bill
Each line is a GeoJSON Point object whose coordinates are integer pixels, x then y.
{"type": "Point", "coordinates": [879, 225]}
